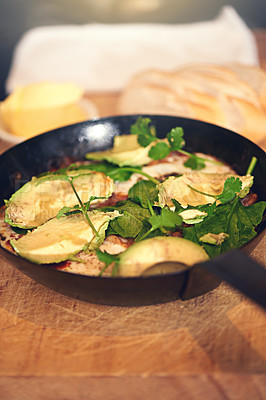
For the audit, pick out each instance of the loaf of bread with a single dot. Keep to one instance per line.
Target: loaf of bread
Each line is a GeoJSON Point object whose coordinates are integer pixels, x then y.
{"type": "Point", "coordinates": [232, 96]}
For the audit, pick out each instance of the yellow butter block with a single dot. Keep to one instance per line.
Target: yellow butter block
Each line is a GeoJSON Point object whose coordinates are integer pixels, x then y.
{"type": "Point", "coordinates": [41, 107]}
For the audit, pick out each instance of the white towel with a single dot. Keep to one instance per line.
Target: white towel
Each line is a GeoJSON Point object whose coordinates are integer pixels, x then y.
{"type": "Point", "coordinates": [103, 57]}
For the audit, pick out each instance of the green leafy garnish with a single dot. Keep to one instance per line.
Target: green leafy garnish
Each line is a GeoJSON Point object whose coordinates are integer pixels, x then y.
{"type": "Point", "coordinates": [233, 219]}
{"type": "Point", "coordinates": [111, 170]}
{"type": "Point", "coordinates": [108, 259]}
{"type": "Point", "coordinates": [166, 220]}
{"type": "Point", "coordinates": [159, 150]}
{"type": "Point", "coordinates": [175, 139]}
{"type": "Point", "coordinates": [67, 211]}
{"type": "Point", "coordinates": [130, 223]}
{"type": "Point", "coordinates": [175, 142]}
{"type": "Point", "coordinates": [232, 186]}
{"type": "Point", "coordinates": [132, 170]}
{"type": "Point", "coordinates": [83, 208]}
{"type": "Point", "coordinates": [146, 133]}
{"type": "Point", "coordinates": [195, 163]}
{"type": "Point", "coordinates": [144, 193]}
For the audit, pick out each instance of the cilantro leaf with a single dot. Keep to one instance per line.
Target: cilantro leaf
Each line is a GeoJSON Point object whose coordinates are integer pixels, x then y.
{"type": "Point", "coordinates": [144, 131]}
{"type": "Point", "coordinates": [232, 186]}
{"type": "Point", "coordinates": [239, 225]}
{"type": "Point", "coordinates": [118, 174]}
{"type": "Point", "coordinates": [167, 219]}
{"type": "Point", "coordinates": [194, 162]}
{"type": "Point", "coordinates": [159, 151]}
{"type": "Point", "coordinates": [175, 138]}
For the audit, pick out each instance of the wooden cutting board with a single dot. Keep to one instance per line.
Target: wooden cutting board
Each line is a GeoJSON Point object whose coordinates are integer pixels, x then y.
{"type": "Point", "coordinates": [55, 347]}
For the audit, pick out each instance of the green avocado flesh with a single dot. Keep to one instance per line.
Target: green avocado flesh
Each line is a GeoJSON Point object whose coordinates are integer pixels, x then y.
{"type": "Point", "coordinates": [125, 151]}
{"type": "Point", "coordinates": [59, 239]}
{"type": "Point", "coordinates": [142, 255]}
{"type": "Point", "coordinates": [41, 198]}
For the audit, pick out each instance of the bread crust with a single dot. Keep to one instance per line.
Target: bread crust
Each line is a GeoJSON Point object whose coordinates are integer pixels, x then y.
{"type": "Point", "coordinates": [232, 96]}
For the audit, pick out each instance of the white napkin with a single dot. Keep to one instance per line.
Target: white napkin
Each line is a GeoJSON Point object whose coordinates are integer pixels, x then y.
{"type": "Point", "coordinates": [103, 57]}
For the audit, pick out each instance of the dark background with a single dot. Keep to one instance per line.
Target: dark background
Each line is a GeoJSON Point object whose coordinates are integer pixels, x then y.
{"type": "Point", "coordinates": [17, 16]}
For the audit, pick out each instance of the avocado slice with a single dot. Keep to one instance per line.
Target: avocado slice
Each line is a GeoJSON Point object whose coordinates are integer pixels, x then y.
{"type": "Point", "coordinates": [41, 198]}
{"type": "Point", "coordinates": [125, 151]}
{"type": "Point", "coordinates": [142, 255]}
{"type": "Point", "coordinates": [179, 188]}
{"type": "Point", "coordinates": [59, 239]}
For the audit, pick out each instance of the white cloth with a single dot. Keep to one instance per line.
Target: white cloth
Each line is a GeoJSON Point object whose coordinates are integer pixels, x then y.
{"type": "Point", "coordinates": [103, 57]}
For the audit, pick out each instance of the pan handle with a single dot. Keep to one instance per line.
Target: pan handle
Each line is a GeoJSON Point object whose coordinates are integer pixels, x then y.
{"type": "Point", "coordinates": [241, 272]}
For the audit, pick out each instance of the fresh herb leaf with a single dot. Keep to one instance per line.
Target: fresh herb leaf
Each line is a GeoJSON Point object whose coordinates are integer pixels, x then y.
{"type": "Point", "coordinates": [144, 193]}
{"type": "Point", "coordinates": [238, 222]}
{"type": "Point", "coordinates": [178, 207]}
{"type": "Point", "coordinates": [194, 162]}
{"type": "Point", "coordinates": [107, 258]}
{"type": "Point", "coordinates": [82, 207]}
{"type": "Point", "coordinates": [66, 211]}
{"type": "Point", "coordinates": [131, 222]}
{"type": "Point", "coordinates": [133, 169]}
{"type": "Point", "coordinates": [167, 219]}
{"type": "Point", "coordinates": [175, 139]}
{"type": "Point", "coordinates": [159, 151]}
{"type": "Point", "coordinates": [146, 226]}
{"type": "Point", "coordinates": [146, 134]}
{"type": "Point", "coordinates": [111, 170]}
{"type": "Point", "coordinates": [232, 186]}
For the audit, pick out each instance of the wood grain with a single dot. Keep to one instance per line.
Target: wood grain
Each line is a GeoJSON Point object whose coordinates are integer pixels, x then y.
{"type": "Point", "coordinates": [55, 347]}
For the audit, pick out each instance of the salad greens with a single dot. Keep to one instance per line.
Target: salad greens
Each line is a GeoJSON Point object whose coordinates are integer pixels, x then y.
{"type": "Point", "coordinates": [175, 142]}
{"type": "Point", "coordinates": [217, 226]}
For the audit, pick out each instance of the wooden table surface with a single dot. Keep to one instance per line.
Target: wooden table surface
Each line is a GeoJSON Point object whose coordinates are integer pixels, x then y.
{"type": "Point", "coordinates": [53, 347]}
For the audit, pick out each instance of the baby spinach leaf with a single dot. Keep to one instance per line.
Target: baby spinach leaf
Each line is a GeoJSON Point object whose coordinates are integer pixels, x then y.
{"type": "Point", "coordinates": [131, 222]}
{"type": "Point", "coordinates": [144, 193]}
{"type": "Point", "coordinates": [239, 225]}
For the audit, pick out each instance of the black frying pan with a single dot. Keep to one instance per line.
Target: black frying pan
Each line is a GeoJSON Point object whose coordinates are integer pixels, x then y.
{"type": "Point", "coordinates": [62, 146]}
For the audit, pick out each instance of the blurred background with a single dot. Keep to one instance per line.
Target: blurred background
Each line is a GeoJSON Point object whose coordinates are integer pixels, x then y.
{"type": "Point", "coordinates": [18, 16]}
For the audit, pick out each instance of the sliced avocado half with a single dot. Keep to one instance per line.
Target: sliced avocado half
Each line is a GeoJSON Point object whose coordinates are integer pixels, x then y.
{"type": "Point", "coordinates": [142, 255]}
{"type": "Point", "coordinates": [41, 198]}
{"type": "Point", "coordinates": [59, 239]}
{"type": "Point", "coordinates": [125, 151]}
{"type": "Point", "coordinates": [180, 188]}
